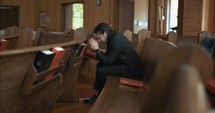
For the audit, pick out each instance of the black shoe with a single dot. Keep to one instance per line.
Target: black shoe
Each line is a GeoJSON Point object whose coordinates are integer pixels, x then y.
{"type": "Point", "coordinates": [90, 100]}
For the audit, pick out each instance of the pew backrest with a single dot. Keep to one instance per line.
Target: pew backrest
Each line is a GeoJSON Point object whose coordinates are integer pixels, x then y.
{"type": "Point", "coordinates": [49, 38]}
{"type": "Point", "coordinates": [153, 51]}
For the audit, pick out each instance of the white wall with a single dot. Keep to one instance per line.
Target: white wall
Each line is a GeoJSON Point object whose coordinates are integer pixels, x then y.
{"type": "Point", "coordinates": [140, 15]}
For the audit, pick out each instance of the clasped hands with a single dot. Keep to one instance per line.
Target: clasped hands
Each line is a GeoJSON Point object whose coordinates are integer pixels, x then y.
{"type": "Point", "coordinates": [93, 44]}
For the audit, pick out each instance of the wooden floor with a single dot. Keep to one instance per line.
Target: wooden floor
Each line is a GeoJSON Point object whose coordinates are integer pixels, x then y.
{"type": "Point", "coordinates": [85, 80]}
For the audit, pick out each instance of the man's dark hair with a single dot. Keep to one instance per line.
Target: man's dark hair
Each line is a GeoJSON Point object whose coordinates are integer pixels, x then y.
{"type": "Point", "coordinates": [103, 27]}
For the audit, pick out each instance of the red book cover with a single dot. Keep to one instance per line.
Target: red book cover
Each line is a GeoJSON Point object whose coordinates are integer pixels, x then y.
{"type": "Point", "coordinates": [3, 43]}
{"type": "Point", "coordinates": [90, 54]}
{"type": "Point", "coordinates": [211, 85]}
{"type": "Point", "coordinates": [59, 53]}
{"type": "Point", "coordinates": [131, 82]}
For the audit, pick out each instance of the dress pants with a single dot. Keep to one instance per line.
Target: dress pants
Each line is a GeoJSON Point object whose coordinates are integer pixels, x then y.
{"type": "Point", "coordinates": [103, 71]}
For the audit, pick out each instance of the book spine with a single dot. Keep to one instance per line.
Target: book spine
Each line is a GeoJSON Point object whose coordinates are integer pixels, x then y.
{"type": "Point", "coordinates": [211, 85]}
{"type": "Point", "coordinates": [131, 83]}
{"type": "Point", "coordinates": [90, 54]}
{"type": "Point", "coordinates": [4, 44]}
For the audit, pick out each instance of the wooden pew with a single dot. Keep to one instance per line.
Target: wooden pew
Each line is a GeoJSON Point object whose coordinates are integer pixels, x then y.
{"type": "Point", "coordinates": [37, 36]}
{"type": "Point", "coordinates": [12, 34]}
{"type": "Point", "coordinates": [26, 38]}
{"type": "Point", "coordinates": [179, 81]}
{"type": "Point", "coordinates": [128, 34]}
{"type": "Point", "coordinates": [70, 71]}
{"type": "Point", "coordinates": [68, 31]}
{"type": "Point", "coordinates": [80, 32]}
{"type": "Point", "coordinates": [73, 63]}
{"type": "Point", "coordinates": [14, 66]}
{"type": "Point", "coordinates": [142, 34]}
{"type": "Point", "coordinates": [171, 37]}
{"type": "Point", "coordinates": [202, 35]}
{"type": "Point", "coordinates": [117, 98]}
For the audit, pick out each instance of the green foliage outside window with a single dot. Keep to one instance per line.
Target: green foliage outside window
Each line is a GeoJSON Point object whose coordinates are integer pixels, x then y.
{"type": "Point", "coordinates": [78, 16]}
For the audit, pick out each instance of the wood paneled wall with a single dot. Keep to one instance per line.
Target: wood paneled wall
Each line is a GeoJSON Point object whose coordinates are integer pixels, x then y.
{"type": "Point", "coordinates": [189, 17]}
{"type": "Point", "coordinates": [30, 12]}
{"type": "Point", "coordinates": [190, 14]}
{"type": "Point", "coordinates": [157, 25]}
{"type": "Point", "coordinates": [106, 12]}
{"type": "Point", "coordinates": [208, 16]}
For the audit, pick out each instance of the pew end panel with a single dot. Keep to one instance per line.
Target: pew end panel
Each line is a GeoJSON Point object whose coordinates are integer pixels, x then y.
{"type": "Point", "coordinates": [117, 98]}
{"type": "Point", "coordinates": [42, 97]}
{"type": "Point", "coordinates": [32, 77]}
{"type": "Point", "coordinates": [13, 70]}
{"type": "Point", "coordinates": [69, 83]}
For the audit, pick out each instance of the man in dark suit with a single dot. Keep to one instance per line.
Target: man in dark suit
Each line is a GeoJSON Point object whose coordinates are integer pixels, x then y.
{"type": "Point", "coordinates": [120, 58]}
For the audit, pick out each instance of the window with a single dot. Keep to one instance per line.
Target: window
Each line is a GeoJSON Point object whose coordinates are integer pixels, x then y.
{"type": "Point", "coordinates": [77, 17]}
{"type": "Point", "coordinates": [173, 14]}
{"type": "Point", "coordinates": [74, 15]}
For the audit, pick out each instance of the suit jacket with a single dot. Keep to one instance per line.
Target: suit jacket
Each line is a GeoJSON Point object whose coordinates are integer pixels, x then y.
{"type": "Point", "coordinates": [120, 51]}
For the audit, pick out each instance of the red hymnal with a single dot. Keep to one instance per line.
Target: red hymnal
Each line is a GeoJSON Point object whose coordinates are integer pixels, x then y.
{"type": "Point", "coordinates": [91, 54]}
{"type": "Point", "coordinates": [3, 43]}
{"type": "Point", "coordinates": [131, 82]}
{"type": "Point", "coordinates": [211, 85]}
{"type": "Point", "coordinates": [59, 53]}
